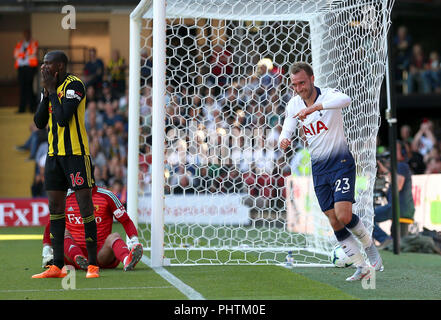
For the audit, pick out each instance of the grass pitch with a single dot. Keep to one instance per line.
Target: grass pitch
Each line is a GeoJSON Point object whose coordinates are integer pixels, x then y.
{"type": "Point", "coordinates": [406, 276]}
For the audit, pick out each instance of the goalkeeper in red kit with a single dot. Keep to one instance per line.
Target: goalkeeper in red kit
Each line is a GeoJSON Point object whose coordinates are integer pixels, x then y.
{"type": "Point", "coordinates": [111, 249]}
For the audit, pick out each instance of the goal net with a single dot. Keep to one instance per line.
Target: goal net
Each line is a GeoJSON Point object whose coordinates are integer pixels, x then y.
{"type": "Point", "coordinates": [227, 194]}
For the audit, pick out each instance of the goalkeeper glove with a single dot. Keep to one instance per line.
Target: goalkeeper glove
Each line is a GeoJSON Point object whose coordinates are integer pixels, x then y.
{"type": "Point", "coordinates": [48, 255]}
{"type": "Point", "coordinates": [132, 241]}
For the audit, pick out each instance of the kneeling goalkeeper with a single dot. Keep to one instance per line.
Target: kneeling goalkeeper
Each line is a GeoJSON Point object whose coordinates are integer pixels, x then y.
{"type": "Point", "coordinates": [111, 247]}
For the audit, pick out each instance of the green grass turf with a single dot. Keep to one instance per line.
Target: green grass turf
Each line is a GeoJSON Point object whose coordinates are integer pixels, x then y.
{"type": "Point", "coordinates": [407, 276]}
{"type": "Point", "coordinates": [255, 283]}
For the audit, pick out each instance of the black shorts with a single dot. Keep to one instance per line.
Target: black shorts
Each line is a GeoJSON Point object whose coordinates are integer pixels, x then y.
{"type": "Point", "coordinates": [64, 172]}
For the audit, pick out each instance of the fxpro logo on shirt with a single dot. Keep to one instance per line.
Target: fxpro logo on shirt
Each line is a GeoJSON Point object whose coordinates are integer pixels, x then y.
{"type": "Point", "coordinates": [75, 219]}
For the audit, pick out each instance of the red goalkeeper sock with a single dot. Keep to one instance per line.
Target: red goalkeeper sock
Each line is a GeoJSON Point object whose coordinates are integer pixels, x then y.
{"type": "Point", "coordinates": [71, 249]}
{"type": "Point", "coordinates": [120, 249]}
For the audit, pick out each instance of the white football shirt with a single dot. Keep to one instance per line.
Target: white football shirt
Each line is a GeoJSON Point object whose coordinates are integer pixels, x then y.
{"type": "Point", "coordinates": [323, 130]}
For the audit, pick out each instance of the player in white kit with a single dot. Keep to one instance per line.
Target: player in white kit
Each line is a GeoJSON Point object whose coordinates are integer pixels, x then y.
{"type": "Point", "coordinates": [318, 112]}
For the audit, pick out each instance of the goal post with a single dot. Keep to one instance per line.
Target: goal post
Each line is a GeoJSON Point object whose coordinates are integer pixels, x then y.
{"type": "Point", "coordinates": [208, 85]}
{"type": "Point", "coordinates": [158, 100]}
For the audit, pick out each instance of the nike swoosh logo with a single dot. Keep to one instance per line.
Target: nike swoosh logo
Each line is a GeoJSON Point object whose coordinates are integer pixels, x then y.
{"type": "Point", "coordinates": [345, 191]}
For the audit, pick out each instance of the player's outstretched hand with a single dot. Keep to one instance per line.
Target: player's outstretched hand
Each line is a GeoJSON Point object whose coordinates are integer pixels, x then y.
{"type": "Point", "coordinates": [302, 114]}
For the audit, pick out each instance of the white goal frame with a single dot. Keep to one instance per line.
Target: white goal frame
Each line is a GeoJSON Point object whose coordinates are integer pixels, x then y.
{"type": "Point", "coordinates": [158, 110]}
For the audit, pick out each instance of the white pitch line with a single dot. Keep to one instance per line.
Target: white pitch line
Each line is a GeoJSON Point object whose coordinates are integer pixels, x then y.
{"type": "Point", "coordinates": [82, 289]}
{"type": "Point", "coordinates": [188, 291]}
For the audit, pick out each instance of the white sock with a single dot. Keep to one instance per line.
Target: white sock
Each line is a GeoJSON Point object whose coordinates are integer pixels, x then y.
{"type": "Point", "coordinates": [352, 250]}
{"type": "Point", "coordinates": [362, 234]}
{"type": "Point", "coordinates": [124, 262]}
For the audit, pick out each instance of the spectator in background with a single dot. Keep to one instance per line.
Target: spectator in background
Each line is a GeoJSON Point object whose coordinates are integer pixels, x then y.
{"type": "Point", "coordinates": [37, 137]}
{"type": "Point", "coordinates": [145, 157]}
{"type": "Point", "coordinates": [26, 63]}
{"type": "Point", "coordinates": [105, 137]}
{"type": "Point", "coordinates": [146, 102]}
{"type": "Point", "coordinates": [117, 73]}
{"type": "Point", "coordinates": [173, 117]}
{"type": "Point", "coordinates": [433, 161]}
{"type": "Point", "coordinates": [424, 139]}
{"type": "Point", "coordinates": [94, 119]}
{"type": "Point", "coordinates": [221, 68]}
{"type": "Point", "coordinates": [116, 170]}
{"type": "Point", "coordinates": [120, 190]}
{"type": "Point", "coordinates": [123, 104]}
{"type": "Point", "coordinates": [180, 180]}
{"type": "Point", "coordinates": [229, 103]}
{"type": "Point", "coordinates": [107, 95]}
{"type": "Point", "coordinates": [38, 153]}
{"type": "Point", "coordinates": [407, 206]}
{"type": "Point", "coordinates": [406, 134]}
{"type": "Point", "coordinates": [115, 149]}
{"type": "Point", "coordinates": [267, 74]}
{"type": "Point", "coordinates": [402, 47]}
{"type": "Point", "coordinates": [432, 75]}
{"type": "Point", "coordinates": [416, 162]}
{"type": "Point", "coordinates": [416, 71]}
{"type": "Point", "coordinates": [145, 162]}
{"type": "Point", "coordinates": [122, 130]}
{"type": "Point", "coordinates": [110, 116]}
{"type": "Point", "coordinates": [90, 94]}
{"type": "Point", "coordinates": [93, 71]}
{"type": "Point", "coordinates": [37, 187]}
{"type": "Point", "coordinates": [99, 156]}
{"type": "Point", "coordinates": [406, 137]}
{"type": "Point", "coordinates": [100, 175]}
{"type": "Point", "coordinates": [208, 105]}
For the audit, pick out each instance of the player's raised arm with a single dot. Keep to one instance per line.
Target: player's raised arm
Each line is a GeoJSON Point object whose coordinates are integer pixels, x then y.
{"type": "Point", "coordinates": [119, 212]}
{"type": "Point", "coordinates": [336, 100]}
{"type": "Point", "coordinates": [128, 226]}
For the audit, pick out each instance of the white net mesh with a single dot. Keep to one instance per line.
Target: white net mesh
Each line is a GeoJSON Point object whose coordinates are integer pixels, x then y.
{"type": "Point", "coordinates": [231, 196]}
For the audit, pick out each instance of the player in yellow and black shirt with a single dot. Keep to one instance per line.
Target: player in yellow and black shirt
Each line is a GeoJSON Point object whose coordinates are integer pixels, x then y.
{"type": "Point", "coordinates": [68, 164]}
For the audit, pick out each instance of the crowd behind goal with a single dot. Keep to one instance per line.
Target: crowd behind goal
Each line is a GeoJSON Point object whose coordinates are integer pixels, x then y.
{"type": "Point", "coordinates": [221, 137]}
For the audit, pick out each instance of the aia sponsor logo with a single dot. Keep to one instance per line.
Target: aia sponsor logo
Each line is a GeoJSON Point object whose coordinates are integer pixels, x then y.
{"type": "Point", "coordinates": [314, 128]}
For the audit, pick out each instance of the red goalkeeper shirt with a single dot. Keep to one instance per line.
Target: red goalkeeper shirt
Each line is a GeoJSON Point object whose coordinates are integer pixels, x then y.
{"type": "Point", "coordinates": [106, 207]}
